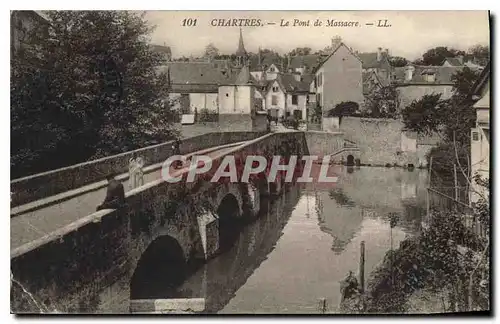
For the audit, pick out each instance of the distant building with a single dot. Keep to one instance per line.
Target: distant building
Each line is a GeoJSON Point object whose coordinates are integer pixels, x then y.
{"type": "Point", "coordinates": [480, 135]}
{"type": "Point", "coordinates": [288, 95]}
{"type": "Point", "coordinates": [22, 25]}
{"type": "Point", "coordinates": [377, 62]}
{"type": "Point", "coordinates": [460, 61]}
{"type": "Point", "coordinates": [237, 96]}
{"type": "Point", "coordinates": [164, 50]}
{"type": "Point", "coordinates": [339, 79]}
{"type": "Point", "coordinates": [195, 85]}
{"type": "Point", "coordinates": [414, 81]}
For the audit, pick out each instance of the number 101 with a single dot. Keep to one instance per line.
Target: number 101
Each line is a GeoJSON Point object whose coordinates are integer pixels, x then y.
{"type": "Point", "coordinates": [189, 22]}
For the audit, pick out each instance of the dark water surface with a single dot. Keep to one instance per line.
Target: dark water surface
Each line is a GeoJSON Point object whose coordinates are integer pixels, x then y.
{"type": "Point", "coordinates": [307, 240]}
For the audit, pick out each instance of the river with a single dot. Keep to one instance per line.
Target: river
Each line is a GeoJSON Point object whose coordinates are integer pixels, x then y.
{"type": "Point", "coordinates": [305, 242]}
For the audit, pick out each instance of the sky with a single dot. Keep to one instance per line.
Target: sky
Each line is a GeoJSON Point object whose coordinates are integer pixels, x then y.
{"type": "Point", "coordinates": [410, 33]}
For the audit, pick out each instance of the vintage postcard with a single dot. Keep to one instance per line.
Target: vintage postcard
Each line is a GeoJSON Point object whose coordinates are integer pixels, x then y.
{"type": "Point", "coordinates": [250, 162]}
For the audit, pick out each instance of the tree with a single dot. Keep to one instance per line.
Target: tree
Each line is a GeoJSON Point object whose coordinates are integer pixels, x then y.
{"type": "Point", "coordinates": [345, 108]}
{"type": "Point", "coordinates": [480, 54]}
{"type": "Point", "coordinates": [300, 51]}
{"type": "Point", "coordinates": [211, 51]}
{"type": "Point", "coordinates": [452, 117]}
{"type": "Point", "coordinates": [92, 88]}
{"type": "Point", "coordinates": [398, 61]}
{"type": "Point", "coordinates": [436, 56]}
{"type": "Point", "coordinates": [383, 102]}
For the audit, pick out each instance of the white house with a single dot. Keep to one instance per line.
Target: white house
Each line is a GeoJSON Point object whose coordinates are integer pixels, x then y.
{"type": "Point", "coordinates": [480, 135]}
{"type": "Point", "coordinates": [288, 95]}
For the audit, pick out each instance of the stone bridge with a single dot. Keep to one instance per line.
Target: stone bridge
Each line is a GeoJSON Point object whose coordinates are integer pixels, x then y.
{"type": "Point", "coordinates": [96, 262]}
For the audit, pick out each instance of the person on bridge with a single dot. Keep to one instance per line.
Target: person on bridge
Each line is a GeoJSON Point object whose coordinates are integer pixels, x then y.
{"type": "Point", "coordinates": [176, 150]}
{"type": "Point", "coordinates": [136, 173]}
{"type": "Point", "coordinates": [115, 194]}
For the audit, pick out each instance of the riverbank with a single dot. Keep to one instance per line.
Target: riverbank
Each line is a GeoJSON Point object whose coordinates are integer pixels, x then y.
{"type": "Point", "coordinates": [429, 273]}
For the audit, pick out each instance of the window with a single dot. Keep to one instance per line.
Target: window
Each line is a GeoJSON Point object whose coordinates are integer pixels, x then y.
{"type": "Point", "coordinates": [319, 79]}
{"type": "Point", "coordinates": [275, 89]}
{"type": "Point", "coordinates": [318, 98]}
{"type": "Point", "coordinates": [295, 100]}
{"type": "Point", "coordinates": [271, 69]}
{"type": "Point", "coordinates": [429, 77]}
{"type": "Point", "coordinates": [274, 100]}
{"type": "Point", "coordinates": [287, 114]}
{"type": "Point", "coordinates": [475, 136]}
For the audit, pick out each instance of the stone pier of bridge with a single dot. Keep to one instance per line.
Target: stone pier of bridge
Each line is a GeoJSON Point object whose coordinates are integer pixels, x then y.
{"type": "Point", "coordinates": [90, 263]}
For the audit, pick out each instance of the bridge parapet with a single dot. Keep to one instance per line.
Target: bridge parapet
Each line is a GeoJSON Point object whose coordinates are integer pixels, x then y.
{"type": "Point", "coordinates": [42, 185]}
{"type": "Point", "coordinates": [87, 266]}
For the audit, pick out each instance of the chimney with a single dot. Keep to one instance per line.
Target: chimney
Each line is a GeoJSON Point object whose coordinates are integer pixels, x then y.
{"type": "Point", "coordinates": [387, 52]}
{"type": "Point", "coordinates": [409, 73]}
{"type": "Point", "coordinates": [379, 54]}
{"type": "Point", "coordinates": [297, 77]}
{"type": "Point", "coordinates": [460, 59]}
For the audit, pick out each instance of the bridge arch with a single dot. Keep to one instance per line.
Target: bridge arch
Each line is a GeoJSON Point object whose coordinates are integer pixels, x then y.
{"type": "Point", "coordinates": [161, 268]}
{"type": "Point", "coordinates": [230, 221]}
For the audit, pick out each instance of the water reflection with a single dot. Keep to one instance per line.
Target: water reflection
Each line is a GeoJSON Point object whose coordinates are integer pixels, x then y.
{"type": "Point", "coordinates": [220, 278]}
{"type": "Point", "coordinates": [305, 242]}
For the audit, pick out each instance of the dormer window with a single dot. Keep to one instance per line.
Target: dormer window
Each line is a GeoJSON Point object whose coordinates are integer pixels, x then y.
{"type": "Point", "coordinates": [275, 89]}
{"type": "Point", "coordinates": [271, 69]}
{"type": "Point", "coordinates": [431, 77]}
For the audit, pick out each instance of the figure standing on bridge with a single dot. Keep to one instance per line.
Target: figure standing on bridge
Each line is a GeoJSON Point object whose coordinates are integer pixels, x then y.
{"type": "Point", "coordinates": [136, 173]}
{"type": "Point", "coordinates": [115, 195]}
{"type": "Point", "coordinates": [176, 150]}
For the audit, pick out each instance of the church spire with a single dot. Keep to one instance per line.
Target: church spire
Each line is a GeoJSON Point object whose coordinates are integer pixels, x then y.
{"type": "Point", "coordinates": [241, 47]}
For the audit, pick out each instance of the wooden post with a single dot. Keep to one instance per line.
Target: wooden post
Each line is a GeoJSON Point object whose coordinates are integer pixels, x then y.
{"type": "Point", "coordinates": [362, 267]}
{"type": "Point", "coordinates": [427, 198]}
{"type": "Point", "coordinates": [430, 170]}
{"type": "Point", "coordinates": [322, 305]}
{"type": "Point", "coordinates": [455, 180]}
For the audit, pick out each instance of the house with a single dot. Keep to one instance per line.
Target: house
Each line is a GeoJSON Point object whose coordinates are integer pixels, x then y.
{"type": "Point", "coordinates": [414, 81]}
{"type": "Point", "coordinates": [376, 61]}
{"type": "Point", "coordinates": [480, 135]}
{"type": "Point", "coordinates": [195, 85]}
{"type": "Point", "coordinates": [339, 79]}
{"type": "Point", "coordinates": [460, 60]}
{"type": "Point", "coordinates": [22, 24]}
{"type": "Point", "coordinates": [288, 95]}
{"type": "Point", "coordinates": [305, 64]}
{"type": "Point", "coordinates": [236, 96]}
{"type": "Point", "coordinates": [454, 61]}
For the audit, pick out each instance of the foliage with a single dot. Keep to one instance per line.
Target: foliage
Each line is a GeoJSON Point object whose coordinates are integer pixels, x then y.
{"type": "Point", "coordinates": [206, 115]}
{"type": "Point", "coordinates": [398, 61]}
{"type": "Point", "coordinates": [211, 51]}
{"type": "Point", "coordinates": [479, 53]}
{"type": "Point", "coordinates": [291, 122]}
{"type": "Point", "coordinates": [317, 113]}
{"type": "Point", "coordinates": [436, 56]}
{"type": "Point", "coordinates": [300, 51]}
{"type": "Point", "coordinates": [345, 108]}
{"type": "Point", "coordinates": [437, 259]}
{"type": "Point", "coordinates": [443, 158]}
{"type": "Point", "coordinates": [383, 102]}
{"type": "Point", "coordinates": [424, 115]}
{"type": "Point", "coordinates": [452, 118]}
{"type": "Point", "coordinates": [88, 90]}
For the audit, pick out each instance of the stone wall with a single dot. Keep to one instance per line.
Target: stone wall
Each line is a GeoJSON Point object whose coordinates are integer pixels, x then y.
{"type": "Point", "coordinates": [87, 266]}
{"type": "Point", "coordinates": [323, 143]}
{"type": "Point", "coordinates": [379, 140]}
{"type": "Point", "coordinates": [226, 123]}
{"type": "Point", "coordinates": [53, 182]}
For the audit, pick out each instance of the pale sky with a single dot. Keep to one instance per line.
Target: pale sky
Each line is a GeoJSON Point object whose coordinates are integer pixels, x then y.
{"type": "Point", "coordinates": [411, 32]}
